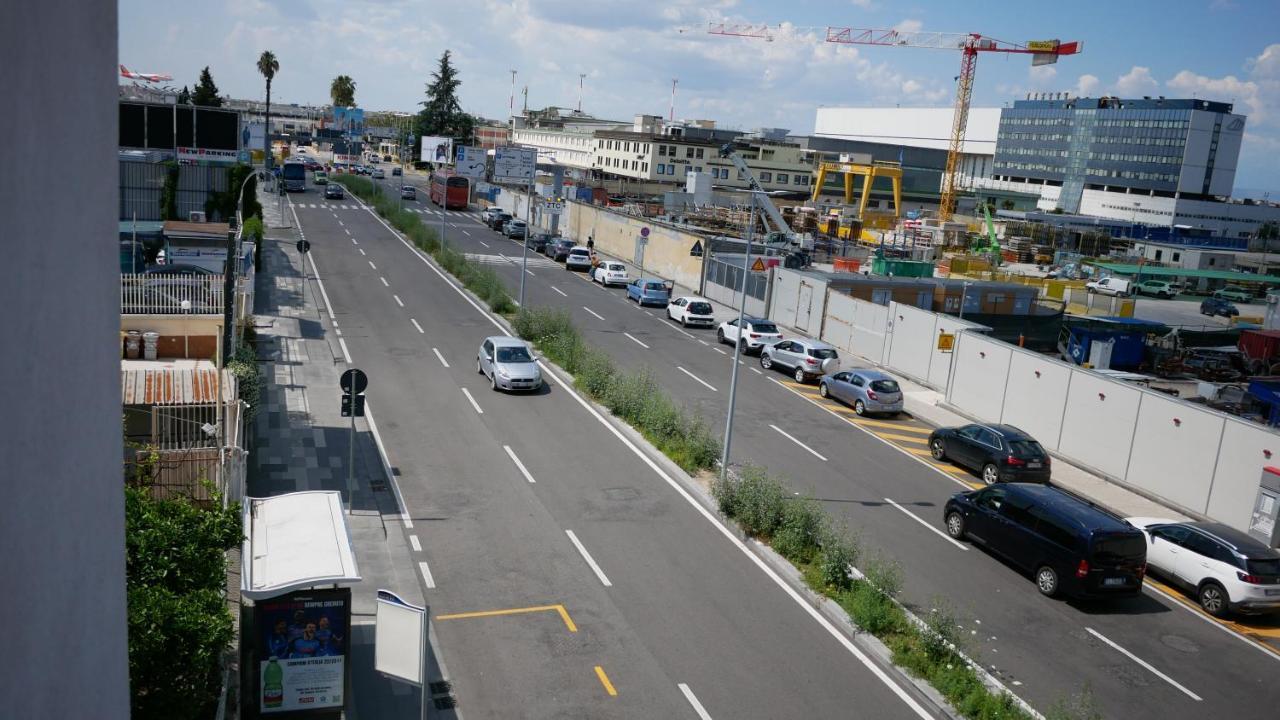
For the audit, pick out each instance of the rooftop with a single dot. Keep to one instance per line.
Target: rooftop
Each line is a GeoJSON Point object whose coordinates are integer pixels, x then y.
{"type": "Point", "coordinates": [295, 541]}
{"type": "Point", "coordinates": [1153, 272]}
{"type": "Point", "coordinates": [182, 228]}
{"type": "Point", "coordinates": [172, 382]}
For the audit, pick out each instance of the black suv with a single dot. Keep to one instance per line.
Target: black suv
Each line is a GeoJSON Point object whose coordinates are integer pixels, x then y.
{"type": "Point", "coordinates": [1069, 545]}
{"type": "Point", "coordinates": [538, 242]}
{"type": "Point", "coordinates": [559, 248]}
{"type": "Point", "coordinates": [1000, 453]}
{"type": "Point", "coordinates": [497, 220]}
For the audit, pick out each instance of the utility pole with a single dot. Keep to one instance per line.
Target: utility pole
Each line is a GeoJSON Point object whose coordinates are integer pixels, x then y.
{"type": "Point", "coordinates": [737, 346]}
{"type": "Point", "coordinates": [524, 252]}
{"type": "Point", "coordinates": [511, 104]}
{"type": "Point", "coordinates": [672, 116]}
{"type": "Point", "coordinates": [581, 77]}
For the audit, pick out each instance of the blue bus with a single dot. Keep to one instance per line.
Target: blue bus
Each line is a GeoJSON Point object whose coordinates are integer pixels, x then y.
{"type": "Point", "coordinates": [295, 177]}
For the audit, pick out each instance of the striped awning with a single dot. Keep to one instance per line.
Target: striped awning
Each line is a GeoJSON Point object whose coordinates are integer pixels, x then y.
{"type": "Point", "coordinates": [173, 385]}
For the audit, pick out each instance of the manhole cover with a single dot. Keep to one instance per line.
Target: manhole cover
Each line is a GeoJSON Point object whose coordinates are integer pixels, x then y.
{"type": "Point", "coordinates": [1177, 642]}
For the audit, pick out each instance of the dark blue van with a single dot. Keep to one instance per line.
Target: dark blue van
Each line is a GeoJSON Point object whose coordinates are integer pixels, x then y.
{"type": "Point", "coordinates": [1069, 545]}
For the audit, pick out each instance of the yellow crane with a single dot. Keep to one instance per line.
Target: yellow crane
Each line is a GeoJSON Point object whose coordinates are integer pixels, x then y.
{"type": "Point", "coordinates": [1043, 52]}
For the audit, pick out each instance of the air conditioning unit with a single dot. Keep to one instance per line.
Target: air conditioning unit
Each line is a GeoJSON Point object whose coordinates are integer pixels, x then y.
{"type": "Point", "coordinates": [196, 216]}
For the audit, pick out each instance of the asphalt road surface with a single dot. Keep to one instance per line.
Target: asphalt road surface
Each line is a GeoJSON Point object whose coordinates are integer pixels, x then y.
{"type": "Point", "coordinates": [1187, 312]}
{"type": "Point", "coordinates": [1155, 656]}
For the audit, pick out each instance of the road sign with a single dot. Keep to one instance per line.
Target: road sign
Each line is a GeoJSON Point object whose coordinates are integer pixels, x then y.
{"type": "Point", "coordinates": [515, 163]}
{"type": "Point", "coordinates": [353, 406]}
{"type": "Point", "coordinates": [354, 378]}
{"type": "Point", "coordinates": [696, 250]}
{"type": "Point", "coordinates": [644, 232]}
{"type": "Point", "coordinates": [758, 266]}
{"type": "Point", "coordinates": [304, 246]}
{"type": "Point", "coordinates": [946, 341]}
{"type": "Point", "coordinates": [471, 162]}
{"type": "Point", "coordinates": [553, 207]}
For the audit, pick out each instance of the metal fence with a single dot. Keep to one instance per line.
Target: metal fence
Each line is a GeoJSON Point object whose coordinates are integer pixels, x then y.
{"type": "Point", "coordinates": [155, 294]}
{"type": "Point", "coordinates": [727, 271]}
{"type": "Point", "coordinates": [142, 188]}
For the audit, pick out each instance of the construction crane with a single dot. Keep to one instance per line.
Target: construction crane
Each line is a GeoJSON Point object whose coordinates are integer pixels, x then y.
{"type": "Point", "coordinates": [1043, 52]}
{"type": "Point", "coordinates": [781, 237]}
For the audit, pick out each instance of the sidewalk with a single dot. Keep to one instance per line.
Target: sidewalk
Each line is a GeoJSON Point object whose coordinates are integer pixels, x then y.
{"type": "Point", "coordinates": [300, 442]}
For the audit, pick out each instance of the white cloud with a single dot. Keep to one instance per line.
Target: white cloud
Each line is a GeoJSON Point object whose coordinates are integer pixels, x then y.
{"type": "Point", "coordinates": [1136, 83]}
{"type": "Point", "coordinates": [1085, 85]}
{"type": "Point", "coordinates": [864, 4]}
{"type": "Point", "coordinates": [909, 26]}
{"type": "Point", "coordinates": [1041, 76]}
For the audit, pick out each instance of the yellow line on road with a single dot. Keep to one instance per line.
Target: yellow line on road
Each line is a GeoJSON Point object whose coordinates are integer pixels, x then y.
{"type": "Point", "coordinates": [564, 614]}
{"type": "Point", "coordinates": [922, 452]}
{"type": "Point", "coordinates": [604, 680]}
{"type": "Point", "coordinates": [903, 438]}
{"type": "Point", "coordinates": [904, 427]}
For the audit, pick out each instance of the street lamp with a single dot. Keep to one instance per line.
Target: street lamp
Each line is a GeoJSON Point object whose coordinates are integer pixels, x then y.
{"type": "Point", "coordinates": [737, 346]}
{"type": "Point", "coordinates": [964, 295]}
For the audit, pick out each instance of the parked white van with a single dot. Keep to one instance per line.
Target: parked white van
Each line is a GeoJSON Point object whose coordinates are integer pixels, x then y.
{"type": "Point", "coordinates": [1109, 286]}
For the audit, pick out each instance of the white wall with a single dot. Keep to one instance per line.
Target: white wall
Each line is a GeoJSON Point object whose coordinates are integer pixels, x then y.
{"type": "Point", "coordinates": [837, 326]}
{"type": "Point", "coordinates": [1241, 456]}
{"type": "Point", "coordinates": [869, 330]}
{"type": "Point", "coordinates": [1097, 429]}
{"type": "Point", "coordinates": [979, 368]}
{"type": "Point", "coordinates": [1036, 402]}
{"type": "Point", "coordinates": [912, 340]}
{"type": "Point", "coordinates": [1169, 458]}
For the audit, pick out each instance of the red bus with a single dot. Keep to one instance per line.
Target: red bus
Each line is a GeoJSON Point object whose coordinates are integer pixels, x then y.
{"type": "Point", "coordinates": [451, 191]}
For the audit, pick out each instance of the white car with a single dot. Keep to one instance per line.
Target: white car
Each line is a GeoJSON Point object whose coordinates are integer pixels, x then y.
{"type": "Point", "coordinates": [611, 273]}
{"type": "Point", "coordinates": [1229, 571]}
{"type": "Point", "coordinates": [579, 259]}
{"type": "Point", "coordinates": [759, 332]}
{"type": "Point", "coordinates": [691, 310]}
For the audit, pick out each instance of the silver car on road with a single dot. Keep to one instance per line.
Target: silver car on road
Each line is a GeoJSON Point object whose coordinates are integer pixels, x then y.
{"type": "Point", "coordinates": [866, 391]}
{"type": "Point", "coordinates": [509, 364]}
{"type": "Point", "coordinates": [806, 359]}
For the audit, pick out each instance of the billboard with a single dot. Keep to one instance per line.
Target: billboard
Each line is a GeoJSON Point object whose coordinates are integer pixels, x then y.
{"type": "Point", "coordinates": [302, 650]}
{"type": "Point", "coordinates": [471, 162]}
{"type": "Point", "coordinates": [349, 120]}
{"type": "Point", "coordinates": [436, 149]}
{"type": "Point", "coordinates": [515, 163]}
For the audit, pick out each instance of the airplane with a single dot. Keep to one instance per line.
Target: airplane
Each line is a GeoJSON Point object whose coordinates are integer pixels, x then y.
{"type": "Point", "coordinates": [145, 77]}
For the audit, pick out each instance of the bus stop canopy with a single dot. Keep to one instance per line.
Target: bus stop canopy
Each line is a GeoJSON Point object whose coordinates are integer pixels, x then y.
{"type": "Point", "coordinates": [293, 542]}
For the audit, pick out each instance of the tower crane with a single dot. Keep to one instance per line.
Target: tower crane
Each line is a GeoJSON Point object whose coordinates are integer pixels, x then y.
{"type": "Point", "coordinates": [1043, 52]}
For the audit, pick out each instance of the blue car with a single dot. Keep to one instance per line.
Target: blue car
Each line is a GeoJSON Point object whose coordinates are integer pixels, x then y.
{"type": "Point", "coordinates": [867, 391]}
{"type": "Point", "coordinates": [648, 291]}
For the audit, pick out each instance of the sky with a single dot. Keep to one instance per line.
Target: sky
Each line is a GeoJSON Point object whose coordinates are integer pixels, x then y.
{"type": "Point", "coordinates": [1224, 50]}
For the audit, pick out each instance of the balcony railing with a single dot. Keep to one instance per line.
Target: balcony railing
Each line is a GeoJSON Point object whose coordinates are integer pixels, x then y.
{"type": "Point", "coordinates": [154, 294]}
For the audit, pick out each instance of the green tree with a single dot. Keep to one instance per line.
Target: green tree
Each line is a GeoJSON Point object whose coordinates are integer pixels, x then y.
{"type": "Point", "coordinates": [267, 66]}
{"type": "Point", "coordinates": [441, 112]}
{"type": "Point", "coordinates": [206, 93]}
{"type": "Point", "coordinates": [222, 205]}
{"type": "Point", "coordinates": [184, 97]}
{"type": "Point", "coordinates": [343, 91]}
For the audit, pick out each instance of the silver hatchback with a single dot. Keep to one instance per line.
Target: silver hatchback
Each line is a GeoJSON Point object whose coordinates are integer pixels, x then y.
{"type": "Point", "coordinates": [867, 391]}
{"type": "Point", "coordinates": [509, 364]}
{"type": "Point", "coordinates": [805, 359]}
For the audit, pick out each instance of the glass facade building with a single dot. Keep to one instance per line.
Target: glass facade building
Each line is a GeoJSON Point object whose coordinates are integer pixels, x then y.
{"type": "Point", "coordinates": [1158, 147]}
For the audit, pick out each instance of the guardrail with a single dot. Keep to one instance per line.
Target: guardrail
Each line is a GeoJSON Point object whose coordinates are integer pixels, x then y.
{"type": "Point", "coordinates": [155, 294]}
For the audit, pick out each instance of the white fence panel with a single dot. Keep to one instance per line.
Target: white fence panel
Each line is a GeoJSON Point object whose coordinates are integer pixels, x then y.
{"type": "Point", "coordinates": [837, 328]}
{"type": "Point", "coordinates": [1244, 451]}
{"type": "Point", "coordinates": [786, 291]}
{"type": "Point", "coordinates": [1036, 396]}
{"type": "Point", "coordinates": [913, 340]}
{"type": "Point", "coordinates": [940, 365]}
{"type": "Point", "coordinates": [870, 329]}
{"type": "Point", "coordinates": [978, 376]}
{"type": "Point", "coordinates": [1097, 429]}
{"type": "Point", "coordinates": [1169, 457]}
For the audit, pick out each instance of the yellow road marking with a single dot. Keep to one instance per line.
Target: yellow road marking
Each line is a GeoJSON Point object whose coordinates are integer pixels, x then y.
{"type": "Point", "coordinates": [922, 452]}
{"type": "Point", "coordinates": [604, 680]}
{"type": "Point", "coordinates": [802, 386]}
{"type": "Point", "coordinates": [903, 438]}
{"type": "Point", "coordinates": [896, 426]}
{"type": "Point", "coordinates": [564, 614]}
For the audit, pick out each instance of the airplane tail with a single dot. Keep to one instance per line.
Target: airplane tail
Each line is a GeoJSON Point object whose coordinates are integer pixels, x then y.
{"type": "Point", "coordinates": [125, 71]}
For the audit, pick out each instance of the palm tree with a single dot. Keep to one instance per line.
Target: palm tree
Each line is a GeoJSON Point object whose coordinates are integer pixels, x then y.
{"type": "Point", "coordinates": [343, 91]}
{"type": "Point", "coordinates": [267, 65]}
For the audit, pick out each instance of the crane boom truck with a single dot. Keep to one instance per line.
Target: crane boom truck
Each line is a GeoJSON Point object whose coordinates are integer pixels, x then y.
{"type": "Point", "coordinates": [780, 237]}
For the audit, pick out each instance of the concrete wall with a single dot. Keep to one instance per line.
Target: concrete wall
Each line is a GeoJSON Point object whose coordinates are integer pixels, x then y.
{"type": "Point", "coordinates": [856, 326]}
{"type": "Point", "coordinates": [798, 300]}
{"type": "Point", "coordinates": [62, 519]}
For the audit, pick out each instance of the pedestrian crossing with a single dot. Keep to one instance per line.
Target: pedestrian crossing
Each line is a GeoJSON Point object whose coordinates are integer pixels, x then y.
{"type": "Point", "coordinates": [535, 261]}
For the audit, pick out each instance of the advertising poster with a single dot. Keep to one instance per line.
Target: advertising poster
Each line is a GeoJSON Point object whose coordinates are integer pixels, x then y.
{"type": "Point", "coordinates": [471, 162]}
{"type": "Point", "coordinates": [438, 150]}
{"type": "Point", "coordinates": [302, 661]}
{"type": "Point", "coordinates": [349, 120]}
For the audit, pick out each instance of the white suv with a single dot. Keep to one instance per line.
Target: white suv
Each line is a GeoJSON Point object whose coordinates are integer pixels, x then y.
{"type": "Point", "coordinates": [759, 332]}
{"type": "Point", "coordinates": [1229, 571]}
{"type": "Point", "coordinates": [579, 259]}
{"type": "Point", "coordinates": [610, 273]}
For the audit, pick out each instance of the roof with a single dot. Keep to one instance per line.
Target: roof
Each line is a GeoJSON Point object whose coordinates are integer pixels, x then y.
{"type": "Point", "coordinates": [1085, 515]}
{"type": "Point", "coordinates": [293, 542]}
{"type": "Point", "coordinates": [196, 229]}
{"type": "Point", "coordinates": [144, 382]}
{"type": "Point", "coordinates": [506, 341]}
{"type": "Point", "coordinates": [1244, 543]}
{"type": "Point", "coordinates": [1148, 270]}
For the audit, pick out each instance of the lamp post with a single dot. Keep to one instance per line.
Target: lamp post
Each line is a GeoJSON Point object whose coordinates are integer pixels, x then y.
{"type": "Point", "coordinates": [737, 346]}
{"type": "Point", "coordinates": [964, 295]}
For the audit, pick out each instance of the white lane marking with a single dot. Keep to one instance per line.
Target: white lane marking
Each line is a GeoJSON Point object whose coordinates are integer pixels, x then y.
{"type": "Point", "coordinates": [484, 243]}
{"type": "Point", "coordinates": [375, 267]}
{"type": "Point", "coordinates": [562, 293]}
{"type": "Point", "coordinates": [593, 312]}
{"type": "Point", "coordinates": [464, 232]}
{"type": "Point", "coordinates": [704, 342]}
{"type": "Point", "coordinates": [355, 241]}
{"type": "Point", "coordinates": [398, 300]}
{"type": "Point", "coordinates": [695, 377]}
{"type": "Point", "coordinates": [682, 332]}
{"type": "Point", "coordinates": [440, 357]}
{"type": "Point", "coordinates": [792, 438]}
{"type": "Point", "coordinates": [871, 434]}
{"type": "Point", "coordinates": [426, 576]}
{"type": "Point", "coordinates": [1143, 663]}
{"type": "Point", "coordinates": [339, 222]}
{"type": "Point", "coordinates": [415, 324]}
{"type": "Point", "coordinates": [474, 404]}
{"type": "Point", "coordinates": [931, 528]}
{"type": "Point", "coordinates": [384, 281]}
{"type": "Point", "coordinates": [413, 541]}
{"type": "Point", "coordinates": [346, 354]}
{"type": "Point", "coordinates": [362, 252]}
{"type": "Point", "coordinates": [756, 371]}
{"type": "Point", "coordinates": [649, 313]}
{"type": "Point", "coordinates": [346, 230]}
{"type": "Point", "coordinates": [693, 700]}
{"type": "Point", "coordinates": [590, 560]}
{"type": "Point", "coordinates": [523, 471]}
{"type": "Point", "coordinates": [1242, 638]}
{"type": "Point", "coordinates": [801, 602]}
{"type": "Point", "coordinates": [722, 352]}
{"type": "Point", "coordinates": [634, 340]}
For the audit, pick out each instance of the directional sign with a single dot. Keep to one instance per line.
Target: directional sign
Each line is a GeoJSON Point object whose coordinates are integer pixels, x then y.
{"type": "Point", "coordinates": [354, 378]}
{"type": "Point", "coordinates": [758, 266]}
{"type": "Point", "coordinates": [514, 163]}
{"type": "Point", "coordinates": [352, 406]}
{"type": "Point", "coordinates": [304, 246]}
{"type": "Point", "coordinates": [696, 250]}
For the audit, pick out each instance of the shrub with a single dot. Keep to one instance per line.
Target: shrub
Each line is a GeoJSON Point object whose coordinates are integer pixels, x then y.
{"type": "Point", "coordinates": [799, 530]}
{"type": "Point", "coordinates": [873, 611]}
{"type": "Point", "coordinates": [839, 551]}
{"type": "Point", "coordinates": [758, 507]}
{"type": "Point", "coordinates": [244, 367]}
{"type": "Point", "coordinates": [942, 636]}
{"type": "Point", "coordinates": [885, 576]}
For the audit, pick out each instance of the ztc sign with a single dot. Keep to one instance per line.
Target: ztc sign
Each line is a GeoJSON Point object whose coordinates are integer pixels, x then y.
{"type": "Point", "coordinates": [553, 207]}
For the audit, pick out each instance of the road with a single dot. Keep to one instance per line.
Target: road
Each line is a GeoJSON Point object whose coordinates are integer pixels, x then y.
{"type": "Point", "coordinates": [1187, 313]}
{"type": "Point", "coordinates": [874, 475]}
{"type": "Point", "coordinates": [567, 576]}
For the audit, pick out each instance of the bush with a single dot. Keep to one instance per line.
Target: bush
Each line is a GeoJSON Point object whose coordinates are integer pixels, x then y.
{"type": "Point", "coordinates": [872, 610]}
{"type": "Point", "coordinates": [885, 576]}
{"type": "Point", "coordinates": [839, 551]}
{"type": "Point", "coordinates": [758, 502]}
{"type": "Point", "coordinates": [244, 367]}
{"type": "Point", "coordinates": [942, 636]}
{"type": "Point", "coordinates": [799, 530]}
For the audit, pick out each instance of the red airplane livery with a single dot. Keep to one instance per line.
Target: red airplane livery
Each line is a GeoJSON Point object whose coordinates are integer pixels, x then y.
{"type": "Point", "coordinates": [145, 77]}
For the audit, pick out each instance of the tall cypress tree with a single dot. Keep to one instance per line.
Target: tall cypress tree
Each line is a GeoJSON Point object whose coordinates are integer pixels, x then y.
{"type": "Point", "coordinates": [441, 112]}
{"type": "Point", "coordinates": [206, 93]}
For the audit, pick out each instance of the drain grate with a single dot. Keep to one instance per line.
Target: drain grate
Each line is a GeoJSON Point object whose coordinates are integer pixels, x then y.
{"type": "Point", "coordinates": [378, 485]}
{"type": "Point", "coordinates": [445, 703]}
{"type": "Point", "coordinates": [442, 694]}
{"type": "Point", "coordinates": [440, 686]}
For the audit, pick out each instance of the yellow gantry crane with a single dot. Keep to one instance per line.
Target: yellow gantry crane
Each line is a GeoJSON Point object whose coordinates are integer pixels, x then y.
{"type": "Point", "coordinates": [1043, 52]}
